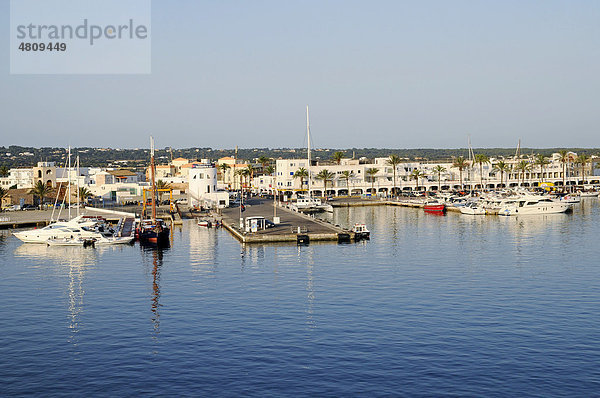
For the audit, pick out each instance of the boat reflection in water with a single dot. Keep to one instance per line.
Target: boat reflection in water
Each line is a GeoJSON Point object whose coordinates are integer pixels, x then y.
{"type": "Point", "coordinates": [156, 255]}
{"type": "Point", "coordinates": [70, 262]}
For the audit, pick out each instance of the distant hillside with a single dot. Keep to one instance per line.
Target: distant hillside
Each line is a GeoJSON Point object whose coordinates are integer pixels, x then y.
{"type": "Point", "coordinates": [15, 156]}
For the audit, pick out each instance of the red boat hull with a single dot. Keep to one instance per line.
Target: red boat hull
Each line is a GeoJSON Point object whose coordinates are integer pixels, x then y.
{"type": "Point", "coordinates": [436, 208]}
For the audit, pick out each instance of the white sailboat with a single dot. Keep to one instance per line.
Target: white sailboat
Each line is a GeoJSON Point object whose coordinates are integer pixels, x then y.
{"type": "Point", "coordinates": [74, 231]}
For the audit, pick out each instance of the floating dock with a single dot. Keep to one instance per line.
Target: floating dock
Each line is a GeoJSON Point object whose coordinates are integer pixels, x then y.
{"type": "Point", "coordinates": [293, 227]}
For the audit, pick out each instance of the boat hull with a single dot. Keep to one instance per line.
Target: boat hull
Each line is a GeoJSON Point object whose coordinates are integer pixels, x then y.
{"type": "Point", "coordinates": [435, 208]}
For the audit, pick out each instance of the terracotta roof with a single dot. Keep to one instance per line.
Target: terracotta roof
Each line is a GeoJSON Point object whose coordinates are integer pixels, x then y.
{"type": "Point", "coordinates": [179, 159]}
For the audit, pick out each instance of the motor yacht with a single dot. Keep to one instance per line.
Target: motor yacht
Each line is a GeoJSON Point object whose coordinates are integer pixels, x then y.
{"type": "Point", "coordinates": [473, 209]}
{"type": "Point", "coordinates": [79, 227]}
{"type": "Point", "coordinates": [533, 205]}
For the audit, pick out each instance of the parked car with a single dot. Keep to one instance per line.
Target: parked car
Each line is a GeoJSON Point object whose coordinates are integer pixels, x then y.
{"type": "Point", "coordinates": [13, 208]}
{"type": "Point", "coordinates": [29, 207]}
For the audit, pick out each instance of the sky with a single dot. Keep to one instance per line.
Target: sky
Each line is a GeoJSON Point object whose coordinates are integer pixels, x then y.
{"type": "Point", "coordinates": [388, 74]}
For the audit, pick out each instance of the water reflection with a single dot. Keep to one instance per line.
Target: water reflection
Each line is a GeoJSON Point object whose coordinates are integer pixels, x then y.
{"type": "Point", "coordinates": [204, 244]}
{"type": "Point", "coordinates": [156, 255]}
{"type": "Point", "coordinates": [73, 262]}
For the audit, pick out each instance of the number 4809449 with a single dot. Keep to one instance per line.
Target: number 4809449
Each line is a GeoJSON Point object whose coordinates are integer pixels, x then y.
{"type": "Point", "coordinates": [43, 46]}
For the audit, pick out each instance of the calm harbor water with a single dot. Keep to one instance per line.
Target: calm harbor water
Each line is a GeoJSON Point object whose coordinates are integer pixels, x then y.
{"type": "Point", "coordinates": [431, 306]}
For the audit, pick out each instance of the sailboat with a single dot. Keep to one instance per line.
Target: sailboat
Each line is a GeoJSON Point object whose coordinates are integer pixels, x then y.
{"type": "Point", "coordinates": [308, 203]}
{"type": "Point", "coordinates": [153, 231]}
{"type": "Point", "coordinates": [80, 227]}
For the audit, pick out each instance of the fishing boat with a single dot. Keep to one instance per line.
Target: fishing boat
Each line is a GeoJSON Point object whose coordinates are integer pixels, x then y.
{"type": "Point", "coordinates": [434, 206]}
{"type": "Point", "coordinates": [153, 231]}
{"type": "Point", "coordinates": [203, 222]}
{"type": "Point", "coordinates": [361, 231]}
{"type": "Point", "coordinates": [588, 194]}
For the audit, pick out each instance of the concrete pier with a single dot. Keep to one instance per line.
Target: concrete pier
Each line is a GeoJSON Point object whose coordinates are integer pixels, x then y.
{"type": "Point", "coordinates": [41, 218]}
{"type": "Point", "coordinates": [292, 226]}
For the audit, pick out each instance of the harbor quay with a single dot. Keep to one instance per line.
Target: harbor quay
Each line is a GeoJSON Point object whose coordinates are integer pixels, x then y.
{"type": "Point", "coordinates": [292, 227]}
{"type": "Point", "coordinates": [41, 218]}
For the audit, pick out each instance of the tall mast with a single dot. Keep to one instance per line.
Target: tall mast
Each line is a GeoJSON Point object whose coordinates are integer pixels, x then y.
{"type": "Point", "coordinates": [470, 158]}
{"type": "Point", "coordinates": [152, 171]}
{"type": "Point", "coordinates": [69, 183]}
{"type": "Point", "coordinates": [308, 139]}
{"type": "Point", "coordinates": [77, 182]}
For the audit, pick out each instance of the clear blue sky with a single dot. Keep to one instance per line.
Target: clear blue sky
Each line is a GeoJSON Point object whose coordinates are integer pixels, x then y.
{"type": "Point", "coordinates": [399, 74]}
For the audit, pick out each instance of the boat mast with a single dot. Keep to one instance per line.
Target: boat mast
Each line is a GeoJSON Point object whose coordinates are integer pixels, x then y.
{"type": "Point", "coordinates": [69, 183]}
{"type": "Point", "coordinates": [152, 171]}
{"type": "Point", "coordinates": [77, 182]}
{"type": "Point", "coordinates": [308, 139]}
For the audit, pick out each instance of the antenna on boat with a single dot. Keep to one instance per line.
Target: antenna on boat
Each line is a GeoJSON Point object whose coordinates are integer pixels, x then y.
{"type": "Point", "coordinates": [518, 152]}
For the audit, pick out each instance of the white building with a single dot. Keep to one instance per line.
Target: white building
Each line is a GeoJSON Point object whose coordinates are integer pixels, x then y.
{"type": "Point", "coordinates": [21, 177]}
{"type": "Point", "coordinates": [202, 188]}
{"type": "Point", "coordinates": [474, 176]}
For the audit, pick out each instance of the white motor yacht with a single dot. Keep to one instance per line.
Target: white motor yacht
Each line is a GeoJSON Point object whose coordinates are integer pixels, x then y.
{"type": "Point", "coordinates": [79, 227]}
{"type": "Point", "coordinates": [533, 205]}
{"type": "Point", "coordinates": [473, 209]}
{"type": "Point", "coordinates": [310, 204]}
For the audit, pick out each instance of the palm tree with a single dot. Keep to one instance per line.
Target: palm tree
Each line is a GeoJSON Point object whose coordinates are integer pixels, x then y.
{"type": "Point", "coordinates": [4, 171]}
{"type": "Point", "coordinates": [264, 162]}
{"type": "Point", "coordinates": [502, 167]}
{"type": "Point", "coordinates": [523, 166]}
{"type": "Point", "coordinates": [583, 160]}
{"type": "Point", "coordinates": [481, 159]}
{"type": "Point", "coordinates": [394, 160]}
{"type": "Point", "coordinates": [540, 160]}
{"type": "Point", "coordinates": [41, 190]}
{"type": "Point", "coordinates": [270, 170]}
{"type": "Point", "coordinates": [301, 173]}
{"type": "Point", "coordinates": [325, 175]}
{"type": "Point", "coordinates": [84, 194]}
{"type": "Point", "coordinates": [460, 163]}
{"type": "Point", "coordinates": [160, 184]}
{"type": "Point", "coordinates": [439, 169]}
{"type": "Point", "coordinates": [347, 175]}
{"type": "Point", "coordinates": [249, 175]}
{"type": "Point", "coordinates": [371, 173]}
{"type": "Point", "coordinates": [338, 156]}
{"type": "Point", "coordinates": [564, 159]}
{"type": "Point", "coordinates": [242, 173]}
{"type": "Point", "coordinates": [416, 174]}
{"type": "Point", "coordinates": [223, 167]}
